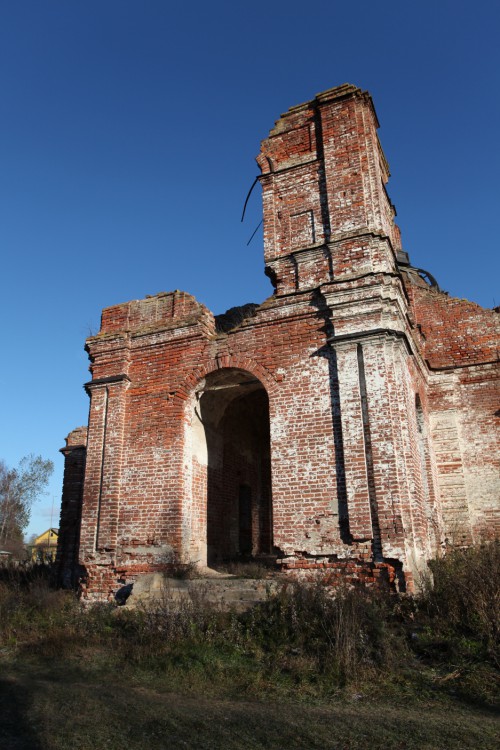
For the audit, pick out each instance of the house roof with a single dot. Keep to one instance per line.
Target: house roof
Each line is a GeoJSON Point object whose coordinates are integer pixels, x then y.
{"type": "Point", "coordinates": [46, 534]}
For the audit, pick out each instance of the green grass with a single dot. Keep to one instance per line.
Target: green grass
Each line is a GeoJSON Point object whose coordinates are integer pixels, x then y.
{"type": "Point", "coordinates": [302, 670]}
{"type": "Point", "coordinates": [53, 707]}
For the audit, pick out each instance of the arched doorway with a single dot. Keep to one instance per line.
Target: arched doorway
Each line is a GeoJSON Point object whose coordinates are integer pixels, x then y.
{"type": "Point", "coordinates": [232, 411]}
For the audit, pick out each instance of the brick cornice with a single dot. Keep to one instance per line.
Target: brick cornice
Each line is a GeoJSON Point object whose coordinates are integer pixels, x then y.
{"type": "Point", "coordinates": [110, 380]}
{"type": "Point", "coordinates": [375, 332]}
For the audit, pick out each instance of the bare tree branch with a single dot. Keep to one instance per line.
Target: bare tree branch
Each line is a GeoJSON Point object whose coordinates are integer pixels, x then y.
{"type": "Point", "coordinates": [19, 489]}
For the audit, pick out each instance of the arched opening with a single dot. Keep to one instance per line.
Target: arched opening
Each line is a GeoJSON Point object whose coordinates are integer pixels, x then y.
{"type": "Point", "coordinates": [232, 416]}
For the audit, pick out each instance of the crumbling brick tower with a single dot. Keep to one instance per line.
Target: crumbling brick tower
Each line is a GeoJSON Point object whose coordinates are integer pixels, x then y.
{"type": "Point", "coordinates": [324, 427]}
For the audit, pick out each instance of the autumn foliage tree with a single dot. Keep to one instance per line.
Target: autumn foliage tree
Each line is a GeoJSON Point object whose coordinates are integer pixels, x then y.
{"type": "Point", "coordinates": [19, 488]}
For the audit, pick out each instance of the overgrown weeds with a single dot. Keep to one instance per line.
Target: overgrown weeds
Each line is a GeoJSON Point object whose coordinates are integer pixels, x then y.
{"type": "Point", "coordinates": [21, 575]}
{"type": "Point", "coordinates": [304, 641]}
{"type": "Point", "coordinates": [344, 634]}
{"type": "Point", "coordinates": [177, 567]}
{"type": "Point", "coordinates": [462, 602]}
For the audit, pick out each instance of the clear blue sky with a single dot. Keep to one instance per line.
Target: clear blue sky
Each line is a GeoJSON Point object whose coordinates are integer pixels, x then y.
{"type": "Point", "coordinates": [128, 137]}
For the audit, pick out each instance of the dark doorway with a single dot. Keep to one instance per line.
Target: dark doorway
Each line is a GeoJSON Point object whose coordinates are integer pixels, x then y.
{"type": "Point", "coordinates": [245, 519]}
{"type": "Point", "coordinates": [234, 409]}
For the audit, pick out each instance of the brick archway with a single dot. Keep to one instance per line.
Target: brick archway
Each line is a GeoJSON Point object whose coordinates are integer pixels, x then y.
{"type": "Point", "coordinates": [229, 361]}
{"type": "Point", "coordinates": [228, 450]}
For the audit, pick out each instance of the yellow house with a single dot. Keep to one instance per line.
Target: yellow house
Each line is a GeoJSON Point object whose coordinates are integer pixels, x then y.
{"type": "Point", "coordinates": [45, 546]}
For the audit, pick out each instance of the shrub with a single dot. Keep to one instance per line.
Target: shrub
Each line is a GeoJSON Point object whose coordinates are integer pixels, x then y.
{"type": "Point", "coordinates": [344, 633]}
{"type": "Point", "coordinates": [463, 602]}
{"type": "Point", "coordinates": [22, 575]}
{"type": "Point", "coordinates": [177, 567]}
{"type": "Point", "coordinates": [174, 616]}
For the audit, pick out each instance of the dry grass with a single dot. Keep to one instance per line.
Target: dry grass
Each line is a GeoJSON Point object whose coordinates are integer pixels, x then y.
{"type": "Point", "coordinates": [303, 669]}
{"type": "Point", "coordinates": [463, 600]}
{"type": "Point", "coordinates": [49, 709]}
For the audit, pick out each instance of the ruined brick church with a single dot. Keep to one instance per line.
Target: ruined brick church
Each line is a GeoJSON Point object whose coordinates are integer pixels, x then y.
{"type": "Point", "coordinates": [348, 424]}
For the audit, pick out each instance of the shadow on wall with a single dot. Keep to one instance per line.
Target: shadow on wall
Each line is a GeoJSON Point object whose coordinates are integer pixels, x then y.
{"type": "Point", "coordinates": [328, 353]}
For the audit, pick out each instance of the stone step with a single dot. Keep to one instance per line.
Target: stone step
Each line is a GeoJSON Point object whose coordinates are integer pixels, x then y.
{"type": "Point", "coordinates": [227, 592]}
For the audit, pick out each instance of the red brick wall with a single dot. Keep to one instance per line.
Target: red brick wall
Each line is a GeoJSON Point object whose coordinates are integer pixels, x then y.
{"type": "Point", "coordinates": [375, 456]}
{"type": "Point", "coordinates": [460, 341]}
{"type": "Point", "coordinates": [68, 544]}
{"type": "Point", "coordinates": [454, 332]}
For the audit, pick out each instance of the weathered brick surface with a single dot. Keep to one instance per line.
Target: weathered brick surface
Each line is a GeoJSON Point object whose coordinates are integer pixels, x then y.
{"type": "Point", "coordinates": [71, 507]}
{"type": "Point", "coordinates": [346, 426]}
{"type": "Point", "coordinates": [454, 332]}
{"type": "Point", "coordinates": [460, 342]}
